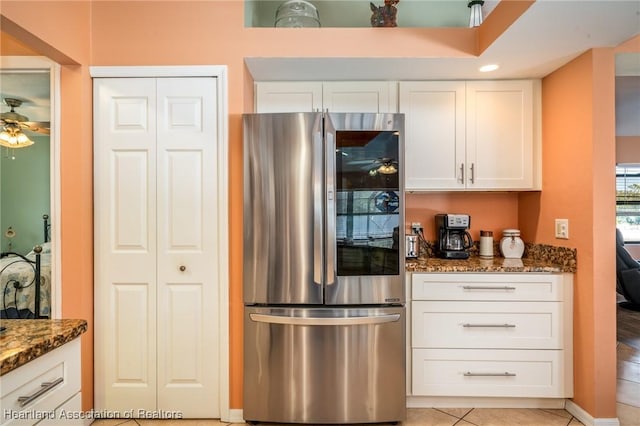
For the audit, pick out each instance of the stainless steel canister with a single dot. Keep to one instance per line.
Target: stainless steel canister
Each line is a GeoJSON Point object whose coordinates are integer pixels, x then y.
{"type": "Point", "coordinates": [412, 247]}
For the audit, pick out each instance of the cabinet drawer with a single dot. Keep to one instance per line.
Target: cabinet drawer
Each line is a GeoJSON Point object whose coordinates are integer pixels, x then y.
{"type": "Point", "coordinates": [48, 381]}
{"type": "Point", "coordinates": [516, 325]}
{"type": "Point", "coordinates": [68, 414]}
{"type": "Point", "coordinates": [503, 286]}
{"type": "Point", "coordinates": [496, 373]}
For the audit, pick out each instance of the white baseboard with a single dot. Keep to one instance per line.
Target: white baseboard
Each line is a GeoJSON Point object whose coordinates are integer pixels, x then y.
{"type": "Point", "coordinates": [486, 402]}
{"type": "Point", "coordinates": [587, 419]}
{"type": "Point", "coordinates": [235, 416]}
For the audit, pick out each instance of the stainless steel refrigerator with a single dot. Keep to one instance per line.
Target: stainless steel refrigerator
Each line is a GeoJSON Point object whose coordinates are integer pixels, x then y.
{"type": "Point", "coordinates": [324, 316]}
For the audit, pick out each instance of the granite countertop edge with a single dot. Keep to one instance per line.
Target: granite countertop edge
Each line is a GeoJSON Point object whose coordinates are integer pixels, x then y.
{"type": "Point", "coordinates": [26, 340]}
{"type": "Point", "coordinates": [473, 265]}
{"type": "Point", "coordinates": [540, 258]}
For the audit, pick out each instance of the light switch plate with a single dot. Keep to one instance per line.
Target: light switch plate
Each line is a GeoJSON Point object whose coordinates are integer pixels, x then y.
{"type": "Point", "coordinates": [562, 229]}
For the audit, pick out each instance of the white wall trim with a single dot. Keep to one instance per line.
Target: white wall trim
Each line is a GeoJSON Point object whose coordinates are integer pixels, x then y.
{"type": "Point", "coordinates": [235, 416]}
{"type": "Point", "coordinates": [586, 418]}
{"type": "Point", "coordinates": [220, 73]}
{"type": "Point", "coordinates": [44, 64]}
{"type": "Point", "coordinates": [414, 401]}
{"type": "Point", "coordinates": [162, 71]}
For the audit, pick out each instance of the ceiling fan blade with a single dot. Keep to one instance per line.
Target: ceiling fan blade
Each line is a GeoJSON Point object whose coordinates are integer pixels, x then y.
{"type": "Point", "coordinates": [41, 127]}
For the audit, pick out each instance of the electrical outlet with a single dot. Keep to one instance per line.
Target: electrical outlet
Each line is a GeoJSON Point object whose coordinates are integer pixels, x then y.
{"type": "Point", "coordinates": [416, 227]}
{"type": "Point", "coordinates": [562, 229]}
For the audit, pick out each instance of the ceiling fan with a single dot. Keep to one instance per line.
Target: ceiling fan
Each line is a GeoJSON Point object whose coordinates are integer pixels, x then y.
{"type": "Point", "coordinates": [12, 121]}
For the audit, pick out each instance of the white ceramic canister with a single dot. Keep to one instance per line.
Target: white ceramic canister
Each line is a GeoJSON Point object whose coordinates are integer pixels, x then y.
{"type": "Point", "coordinates": [511, 245]}
{"type": "Point", "coordinates": [486, 243]}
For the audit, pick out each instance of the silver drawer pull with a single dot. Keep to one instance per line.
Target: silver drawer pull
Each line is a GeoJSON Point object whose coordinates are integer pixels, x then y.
{"type": "Point", "coordinates": [480, 287]}
{"type": "Point", "coordinates": [490, 325]}
{"type": "Point", "coordinates": [505, 374]}
{"type": "Point", "coordinates": [44, 388]}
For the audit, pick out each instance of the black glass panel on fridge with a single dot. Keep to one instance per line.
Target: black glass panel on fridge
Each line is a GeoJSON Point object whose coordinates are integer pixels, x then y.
{"type": "Point", "coordinates": [367, 202]}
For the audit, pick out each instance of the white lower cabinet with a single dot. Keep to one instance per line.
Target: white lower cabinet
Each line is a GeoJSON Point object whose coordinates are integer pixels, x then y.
{"type": "Point", "coordinates": [45, 391]}
{"type": "Point", "coordinates": [491, 335]}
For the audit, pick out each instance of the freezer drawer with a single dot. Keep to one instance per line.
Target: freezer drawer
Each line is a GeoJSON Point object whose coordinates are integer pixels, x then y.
{"type": "Point", "coordinates": [324, 365]}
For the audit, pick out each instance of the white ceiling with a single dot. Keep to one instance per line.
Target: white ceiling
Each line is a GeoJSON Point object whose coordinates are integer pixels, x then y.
{"type": "Point", "coordinates": [548, 35]}
{"type": "Point", "coordinates": [32, 88]}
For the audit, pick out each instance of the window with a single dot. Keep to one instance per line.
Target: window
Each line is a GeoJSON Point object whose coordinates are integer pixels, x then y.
{"type": "Point", "coordinates": [628, 201]}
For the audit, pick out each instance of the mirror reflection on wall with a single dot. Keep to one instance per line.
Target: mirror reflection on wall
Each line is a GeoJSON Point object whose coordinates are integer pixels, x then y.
{"type": "Point", "coordinates": [25, 172]}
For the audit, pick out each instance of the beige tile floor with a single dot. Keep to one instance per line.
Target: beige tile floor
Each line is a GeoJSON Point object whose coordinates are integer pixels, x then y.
{"type": "Point", "coordinates": [628, 405]}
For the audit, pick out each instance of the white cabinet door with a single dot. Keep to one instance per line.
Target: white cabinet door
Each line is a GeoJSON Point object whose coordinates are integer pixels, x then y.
{"type": "Point", "coordinates": [360, 96]}
{"type": "Point", "coordinates": [434, 134]}
{"type": "Point", "coordinates": [500, 131]}
{"type": "Point", "coordinates": [288, 96]}
{"type": "Point", "coordinates": [336, 96]}
{"type": "Point", "coordinates": [474, 135]}
{"type": "Point", "coordinates": [155, 231]}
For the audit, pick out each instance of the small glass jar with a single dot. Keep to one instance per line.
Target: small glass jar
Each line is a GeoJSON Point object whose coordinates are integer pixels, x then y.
{"type": "Point", "coordinates": [511, 245]}
{"type": "Point", "coordinates": [297, 14]}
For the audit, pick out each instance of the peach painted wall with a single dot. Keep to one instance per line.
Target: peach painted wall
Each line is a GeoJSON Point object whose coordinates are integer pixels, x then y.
{"type": "Point", "coordinates": [490, 211]}
{"type": "Point", "coordinates": [195, 32]}
{"type": "Point", "coordinates": [579, 184]}
{"type": "Point", "coordinates": [10, 46]}
{"type": "Point", "coordinates": [37, 26]}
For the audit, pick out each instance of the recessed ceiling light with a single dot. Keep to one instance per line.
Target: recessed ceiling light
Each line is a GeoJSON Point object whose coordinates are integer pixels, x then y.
{"type": "Point", "coordinates": [490, 67]}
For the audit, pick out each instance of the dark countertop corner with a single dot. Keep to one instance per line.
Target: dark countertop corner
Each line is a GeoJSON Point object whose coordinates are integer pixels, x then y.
{"type": "Point", "coordinates": [24, 340]}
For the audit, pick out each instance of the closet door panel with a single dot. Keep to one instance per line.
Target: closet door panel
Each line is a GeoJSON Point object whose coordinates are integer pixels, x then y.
{"type": "Point", "coordinates": [185, 306]}
{"type": "Point", "coordinates": [132, 331]}
{"type": "Point", "coordinates": [184, 211]}
{"type": "Point", "coordinates": [125, 243]}
{"type": "Point", "coordinates": [187, 235]}
{"type": "Point", "coordinates": [129, 201]}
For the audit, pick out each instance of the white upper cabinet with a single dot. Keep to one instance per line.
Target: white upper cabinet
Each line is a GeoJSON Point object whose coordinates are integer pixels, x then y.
{"type": "Point", "coordinates": [475, 135]}
{"type": "Point", "coordinates": [362, 96]}
{"type": "Point", "coordinates": [434, 134]}
{"type": "Point", "coordinates": [292, 96]}
{"type": "Point", "coordinates": [335, 96]}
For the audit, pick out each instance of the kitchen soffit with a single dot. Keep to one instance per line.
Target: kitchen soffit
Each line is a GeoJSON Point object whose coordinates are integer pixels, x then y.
{"type": "Point", "coordinates": [549, 34]}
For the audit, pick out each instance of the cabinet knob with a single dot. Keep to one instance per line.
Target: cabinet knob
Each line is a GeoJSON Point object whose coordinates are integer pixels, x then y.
{"type": "Point", "coordinates": [182, 268]}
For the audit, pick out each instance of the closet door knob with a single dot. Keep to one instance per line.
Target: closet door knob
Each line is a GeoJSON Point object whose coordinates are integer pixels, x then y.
{"type": "Point", "coordinates": [182, 268]}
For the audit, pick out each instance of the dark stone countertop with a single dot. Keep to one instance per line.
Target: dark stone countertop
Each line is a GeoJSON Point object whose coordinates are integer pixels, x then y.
{"type": "Point", "coordinates": [537, 258]}
{"type": "Point", "coordinates": [24, 340]}
{"type": "Point", "coordinates": [478, 264]}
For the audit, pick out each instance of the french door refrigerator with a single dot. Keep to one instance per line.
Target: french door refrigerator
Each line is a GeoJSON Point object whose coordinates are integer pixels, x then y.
{"type": "Point", "coordinates": [324, 316]}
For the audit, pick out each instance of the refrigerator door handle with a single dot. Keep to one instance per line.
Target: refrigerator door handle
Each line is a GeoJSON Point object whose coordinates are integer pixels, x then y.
{"type": "Point", "coordinates": [330, 247]}
{"type": "Point", "coordinates": [357, 320]}
{"type": "Point", "coordinates": [318, 194]}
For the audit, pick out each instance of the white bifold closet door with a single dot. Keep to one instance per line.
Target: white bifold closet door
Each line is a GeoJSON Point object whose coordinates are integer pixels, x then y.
{"type": "Point", "coordinates": [156, 342]}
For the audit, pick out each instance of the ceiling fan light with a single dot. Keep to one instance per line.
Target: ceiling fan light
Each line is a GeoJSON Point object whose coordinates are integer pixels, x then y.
{"type": "Point", "coordinates": [14, 139]}
{"type": "Point", "coordinates": [22, 138]}
{"type": "Point", "coordinates": [475, 18]}
{"type": "Point", "coordinates": [387, 169]}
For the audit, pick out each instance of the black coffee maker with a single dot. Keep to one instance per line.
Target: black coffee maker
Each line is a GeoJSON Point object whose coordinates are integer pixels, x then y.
{"type": "Point", "coordinates": [453, 238]}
